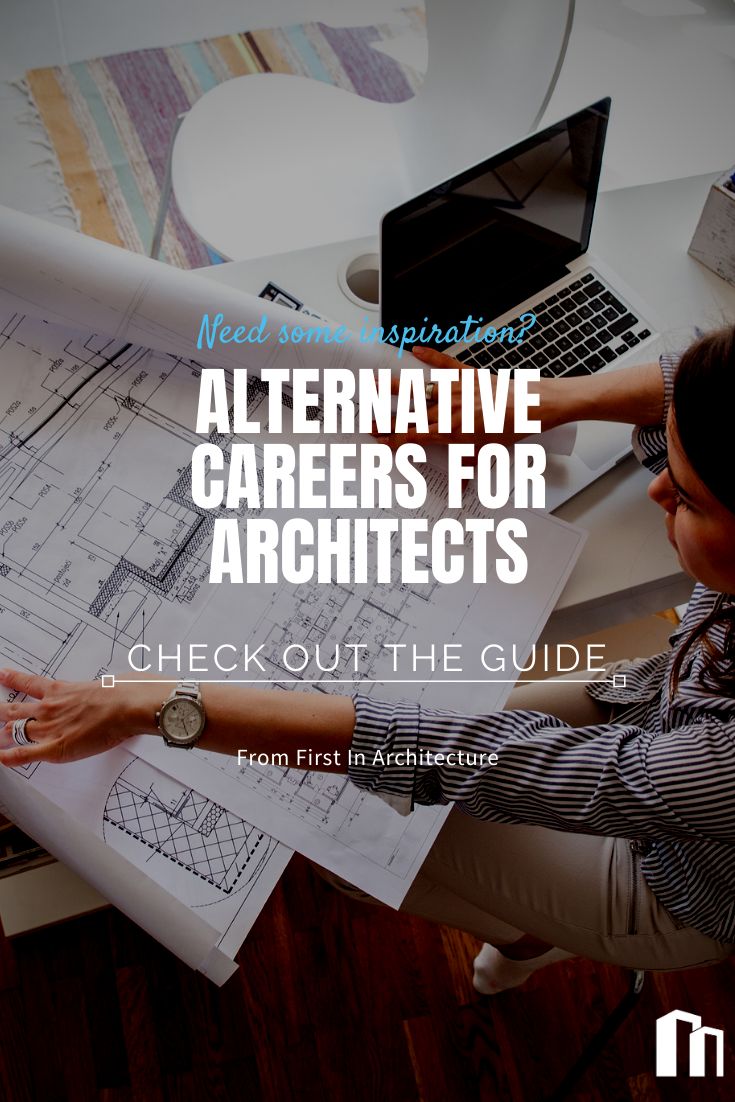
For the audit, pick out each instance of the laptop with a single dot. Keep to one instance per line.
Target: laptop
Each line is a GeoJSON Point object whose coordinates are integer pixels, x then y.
{"type": "Point", "coordinates": [508, 237]}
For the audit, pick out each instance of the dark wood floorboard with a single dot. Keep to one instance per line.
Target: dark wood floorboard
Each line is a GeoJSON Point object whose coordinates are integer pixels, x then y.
{"type": "Point", "coordinates": [334, 1001]}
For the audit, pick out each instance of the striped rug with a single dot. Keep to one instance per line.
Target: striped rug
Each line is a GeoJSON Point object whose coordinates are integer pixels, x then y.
{"type": "Point", "coordinates": [109, 120]}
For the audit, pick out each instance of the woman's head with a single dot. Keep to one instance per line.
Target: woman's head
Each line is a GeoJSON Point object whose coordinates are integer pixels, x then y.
{"type": "Point", "coordinates": [697, 489]}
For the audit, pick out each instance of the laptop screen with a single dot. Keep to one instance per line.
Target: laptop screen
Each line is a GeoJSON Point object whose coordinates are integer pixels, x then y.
{"type": "Point", "coordinates": [487, 239]}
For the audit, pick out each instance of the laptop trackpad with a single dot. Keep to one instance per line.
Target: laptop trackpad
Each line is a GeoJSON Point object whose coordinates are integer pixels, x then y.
{"type": "Point", "coordinates": [600, 443]}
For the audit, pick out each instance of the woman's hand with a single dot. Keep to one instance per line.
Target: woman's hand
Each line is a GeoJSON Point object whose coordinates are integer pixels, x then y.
{"type": "Point", "coordinates": [69, 720]}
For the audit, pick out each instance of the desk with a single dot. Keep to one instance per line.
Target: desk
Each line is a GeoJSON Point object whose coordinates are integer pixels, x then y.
{"type": "Point", "coordinates": [627, 568]}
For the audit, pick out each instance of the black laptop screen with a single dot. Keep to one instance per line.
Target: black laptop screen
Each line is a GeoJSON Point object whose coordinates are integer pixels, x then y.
{"type": "Point", "coordinates": [489, 238]}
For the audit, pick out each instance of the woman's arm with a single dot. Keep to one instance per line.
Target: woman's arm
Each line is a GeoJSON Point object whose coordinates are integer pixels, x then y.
{"type": "Point", "coordinates": [616, 778]}
{"type": "Point", "coordinates": [632, 395]}
{"type": "Point", "coordinates": [73, 720]}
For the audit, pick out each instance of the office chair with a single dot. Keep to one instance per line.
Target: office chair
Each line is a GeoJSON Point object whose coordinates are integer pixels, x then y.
{"type": "Point", "coordinates": [272, 163]}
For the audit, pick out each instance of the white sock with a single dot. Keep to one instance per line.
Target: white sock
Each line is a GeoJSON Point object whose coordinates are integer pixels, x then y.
{"type": "Point", "coordinates": [495, 972]}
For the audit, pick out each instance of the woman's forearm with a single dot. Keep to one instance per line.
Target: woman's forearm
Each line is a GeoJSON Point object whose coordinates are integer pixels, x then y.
{"type": "Point", "coordinates": [69, 720]}
{"type": "Point", "coordinates": [632, 395]}
{"type": "Point", "coordinates": [261, 721]}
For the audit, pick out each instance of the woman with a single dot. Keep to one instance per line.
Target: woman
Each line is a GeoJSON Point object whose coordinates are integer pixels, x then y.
{"type": "Point", "coordinates": [607, 827]}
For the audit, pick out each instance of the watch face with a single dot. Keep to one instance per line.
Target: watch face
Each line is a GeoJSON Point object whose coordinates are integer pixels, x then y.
{"type": "Point", "coordinates": [181, 720]}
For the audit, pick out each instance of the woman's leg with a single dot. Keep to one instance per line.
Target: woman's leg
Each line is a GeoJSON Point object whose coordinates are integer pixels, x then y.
{"type": "Point", "coordinates": [433, 898]}
{"type": "Point", "coordinates": [584, 895]}
{"type": "Point", "coordinates": [543, 894]}
{"type": "Point", "coordinates": [496, 968]}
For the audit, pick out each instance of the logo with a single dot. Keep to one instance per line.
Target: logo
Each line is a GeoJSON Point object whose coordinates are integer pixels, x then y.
{"type": "Point", "coordinates": [666, 1035]}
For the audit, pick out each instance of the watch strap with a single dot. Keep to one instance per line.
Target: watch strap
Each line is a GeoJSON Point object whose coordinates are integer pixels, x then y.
{"type": "Point", "coordinates": [187, 688]}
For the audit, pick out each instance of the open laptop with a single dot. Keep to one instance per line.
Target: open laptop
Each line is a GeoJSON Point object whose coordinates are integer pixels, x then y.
{"type": "Point", "coordinates": [507, 237]}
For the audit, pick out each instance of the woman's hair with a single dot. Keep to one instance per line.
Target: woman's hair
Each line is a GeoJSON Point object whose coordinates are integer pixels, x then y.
{"type": "Point", "coordinates": [704, 412]}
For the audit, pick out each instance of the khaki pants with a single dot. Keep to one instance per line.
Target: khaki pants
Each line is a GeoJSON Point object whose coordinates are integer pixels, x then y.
{"type": "Point", "coordinates": [580, 892]}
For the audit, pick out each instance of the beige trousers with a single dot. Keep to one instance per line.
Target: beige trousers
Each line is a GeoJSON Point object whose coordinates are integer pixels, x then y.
{"type": "Point", "coordinates": [580, 892]}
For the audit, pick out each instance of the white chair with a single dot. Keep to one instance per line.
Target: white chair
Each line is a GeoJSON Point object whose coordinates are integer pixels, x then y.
{"type": "Point", "coordinates": [272, 163]}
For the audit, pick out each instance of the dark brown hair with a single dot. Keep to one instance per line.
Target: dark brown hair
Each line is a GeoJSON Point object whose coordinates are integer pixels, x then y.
{"type": "Point", "coordinates": [704, 411]}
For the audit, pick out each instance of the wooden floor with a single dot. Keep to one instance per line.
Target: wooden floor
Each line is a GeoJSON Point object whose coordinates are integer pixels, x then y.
{"type": "Point", "coordinates": [334, 1000]}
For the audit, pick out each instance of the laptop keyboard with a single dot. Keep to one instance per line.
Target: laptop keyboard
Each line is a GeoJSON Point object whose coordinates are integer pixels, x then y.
{"type": "Point", "coordinates": [578, 330]}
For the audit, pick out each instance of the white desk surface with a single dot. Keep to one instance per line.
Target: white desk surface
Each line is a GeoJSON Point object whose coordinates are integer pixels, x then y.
{"type": "Point", "coordinates": [627, 568]}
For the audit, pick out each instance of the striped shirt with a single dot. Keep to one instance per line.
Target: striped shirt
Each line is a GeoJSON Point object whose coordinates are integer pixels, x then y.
{"type": "Point", "coordinates": [662, 773]}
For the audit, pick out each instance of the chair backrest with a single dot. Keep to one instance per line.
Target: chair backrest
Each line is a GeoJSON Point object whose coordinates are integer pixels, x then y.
{"type": "Point", "coordinates": [493, 65]}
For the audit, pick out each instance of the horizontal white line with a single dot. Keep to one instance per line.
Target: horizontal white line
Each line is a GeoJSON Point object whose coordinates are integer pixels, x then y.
{"type": "Point", "coordinates": [355, 681]}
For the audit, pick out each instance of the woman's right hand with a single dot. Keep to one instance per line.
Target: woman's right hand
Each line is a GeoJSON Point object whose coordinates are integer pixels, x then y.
{"type": "Point", "coordinates": [69, 720]}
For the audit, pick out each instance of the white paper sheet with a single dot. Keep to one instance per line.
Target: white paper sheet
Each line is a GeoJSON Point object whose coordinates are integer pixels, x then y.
{"type": "Point", "coordinates": [82, 283]}
{"type": "Point", "coordinates": [68, 809]}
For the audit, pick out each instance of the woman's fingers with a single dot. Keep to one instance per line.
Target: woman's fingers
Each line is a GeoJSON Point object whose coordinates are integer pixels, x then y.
{"type": "Point", "coordinates": [434, 357]}
{"type": "Point", "coordinates": [42, 745]}
{"type": "Point", "coordinates": [428, 356]}
{"type": "Point", "coordinates": [29, 683]}
{"type": "Point", "coordinates": [35, 730]}
{"type": "Point", "coordinates": [23, 755]}
{"type": "Point", "coordinates": [18, 709]}
{"type": "Point", "coordinates": [73, 720]}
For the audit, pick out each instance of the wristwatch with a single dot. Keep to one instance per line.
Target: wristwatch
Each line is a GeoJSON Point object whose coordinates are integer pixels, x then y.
{"type": "Point", "coordinates": [181, 719]}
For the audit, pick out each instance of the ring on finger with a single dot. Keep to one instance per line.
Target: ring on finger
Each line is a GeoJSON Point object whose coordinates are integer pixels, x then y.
{"type": "Point", "coordinates": [19, 732]}
{"type": "Point", "coordinates": [429, 391]}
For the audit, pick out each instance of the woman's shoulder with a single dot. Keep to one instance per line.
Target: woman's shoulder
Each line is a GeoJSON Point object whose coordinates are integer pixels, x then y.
{"type": "Point", "coordinates": [641, 680]}
{"type": "Point", "coordinates": [698, 692]}
{"type": "Point", "coordinates": [702, 602]}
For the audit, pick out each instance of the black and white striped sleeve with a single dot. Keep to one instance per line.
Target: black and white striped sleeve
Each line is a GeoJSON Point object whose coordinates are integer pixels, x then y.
{"type": "Point", "coordinates": [649, 442]}
{"type": "Point", "coordinates": [611, 779]}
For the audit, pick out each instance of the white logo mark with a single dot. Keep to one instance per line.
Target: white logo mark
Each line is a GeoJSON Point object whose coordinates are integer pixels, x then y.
{"type": "Point", "coordinates": [666, 1044]}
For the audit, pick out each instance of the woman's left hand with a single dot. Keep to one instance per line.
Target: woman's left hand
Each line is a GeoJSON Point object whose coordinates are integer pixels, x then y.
{"type": "Point", "coordinates": [69, 720]}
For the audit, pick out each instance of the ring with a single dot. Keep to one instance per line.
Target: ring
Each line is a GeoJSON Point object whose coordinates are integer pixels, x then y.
{"type": "Point", "coordinates": [429, 391]}
{"type": "Point", "coordinates": [19, 732]}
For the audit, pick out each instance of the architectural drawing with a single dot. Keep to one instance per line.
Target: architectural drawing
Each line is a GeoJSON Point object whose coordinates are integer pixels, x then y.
{"type": "Point", "coordinates": [357, 822]}
{"type": "Point", "coordinates": [98, 532]}
{"type": "Point", "coordinates": [102, 548]}
{"type": "Point", "coordinates": [185, 827]}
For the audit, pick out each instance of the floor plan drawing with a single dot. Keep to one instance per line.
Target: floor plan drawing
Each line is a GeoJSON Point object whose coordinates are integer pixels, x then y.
{"type": "Point", "coordinates": [100, 545]}
{"type": "Point", "coordinates": [188, 869]}
{"type": "Point", "coordinates": [187, 828]}
{"type": "Point", "coordinates": [98, 532]}
{"type": "Point", "coordinates": [86, 557]}
{"type": "Point", "coordinates": [330, 802]}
